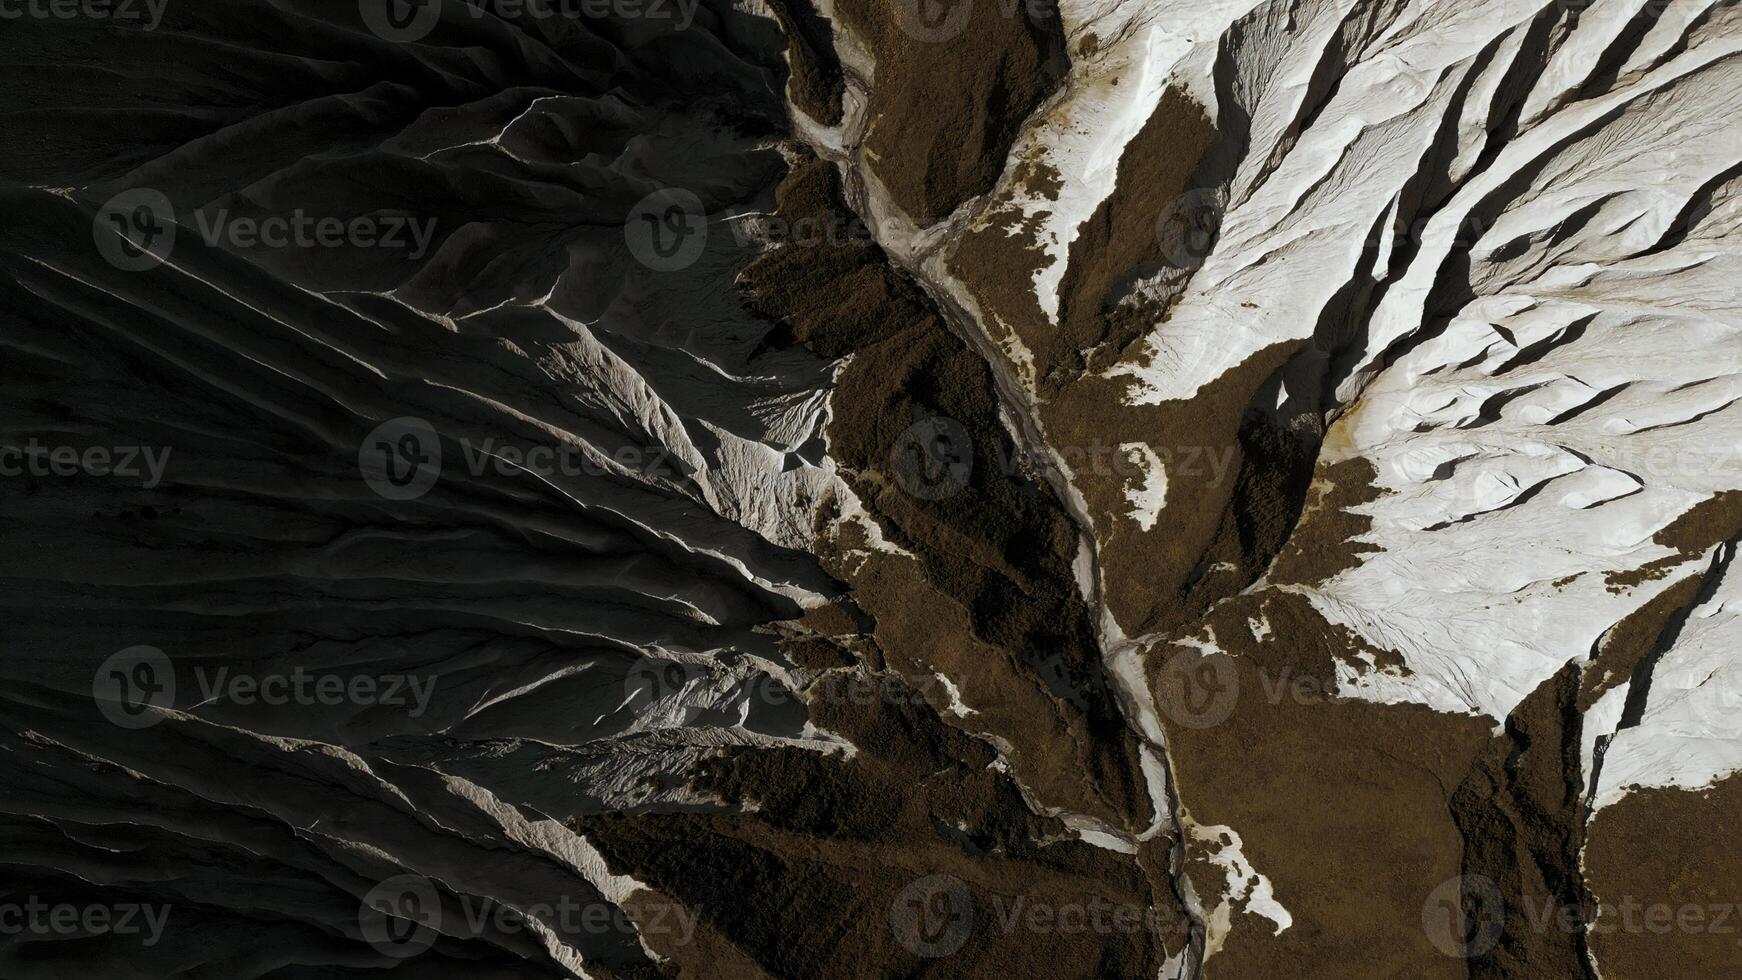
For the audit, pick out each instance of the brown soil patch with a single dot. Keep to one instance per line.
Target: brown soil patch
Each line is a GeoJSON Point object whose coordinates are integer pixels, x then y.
{"type": "Point", "coordinates": [944, 114]}
{"type": "Point", "coordinates": [1521, 811]}
{"type": "Point", "coordinates": [1717, 518]}
{"type": "Point", "coordinates": [992, 600]}
{"type": "Point", "coordinates": [812, 884]}
{"type": "Point", "coordinates": [1117, 242]}
{"type": "Point", "coordinates": [1664, 866]}
{"type": "Point", "coordinates": [1234, 483]}
{"type": "Point", "coordinates": [1236, 473]}
{"type": "Point", "coordinates": [1344, 805]}
{"type": "Point", "coordinates": [1120, 241]}
{"type": "Point", "coordinates": [1325, 543]}
{"type": "Point", "coordinates": [1634, 640]}
{"type": "Point", "coordinates": [1384, 803]}
{"type": "Point", "coordinates": [816, 85]}
{"type": "Point", "coordinates": [1085, 764]}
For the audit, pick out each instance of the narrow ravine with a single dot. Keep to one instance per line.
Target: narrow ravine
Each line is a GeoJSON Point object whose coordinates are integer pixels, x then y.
{"type": "Point", "coordinates": [917, 253]}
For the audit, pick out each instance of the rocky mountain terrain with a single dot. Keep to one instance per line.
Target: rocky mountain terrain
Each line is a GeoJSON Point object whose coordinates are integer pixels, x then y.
{"type": "Point", "coordinates": [871, 488]}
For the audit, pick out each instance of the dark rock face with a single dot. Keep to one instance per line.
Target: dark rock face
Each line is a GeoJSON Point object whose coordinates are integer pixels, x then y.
{"type": "Point", "coordinates": [362, 677]}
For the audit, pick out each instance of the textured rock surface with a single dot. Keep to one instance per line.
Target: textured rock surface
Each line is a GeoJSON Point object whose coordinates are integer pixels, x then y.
{"type": "Point", "coordinates": [814, 488]}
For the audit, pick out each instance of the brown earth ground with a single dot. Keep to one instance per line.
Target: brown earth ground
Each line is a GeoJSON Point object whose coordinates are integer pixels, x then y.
{"type": "Point", "coordinates": [945, 113]}
{"type": "Point", "coordinates": [1360, 814]}
{"type": "Point", "coordinates": [804, 882]}
{"type": "Point", "coordinates": [1664, 866]}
